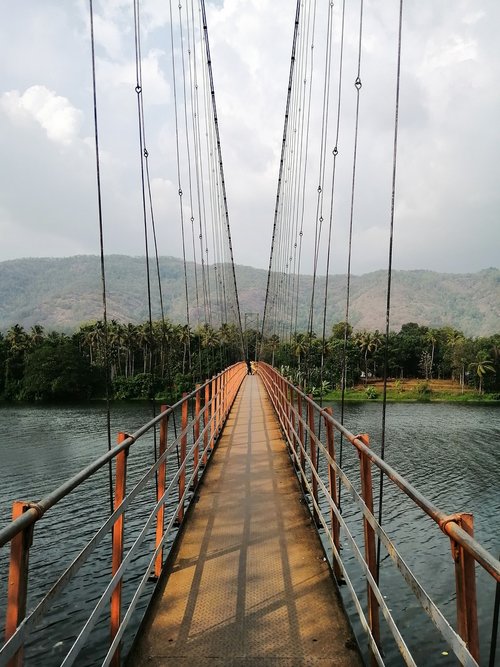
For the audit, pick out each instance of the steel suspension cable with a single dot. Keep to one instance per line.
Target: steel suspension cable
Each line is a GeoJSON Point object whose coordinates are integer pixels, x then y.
{"type": "Point", "coordinates": [221, 170]}
{"type": "Point", "coordinates": [282, 160]}
{"type": "Point", "coordinates": [193, 77]}
{"type": "Point", "coordinates": [179, 181]}
{"type": "Point", "coordinates": [335, 153]}
{"type": "Point", "coordinates": [143, 153]}
{"type": "Point", "coordinates": [389, 273]}
{"type": "Point", "coordinates": [322, 164]}
{"type": "Point", "coordinates": [357, 85]}
{"type": "Point", "coordinates": [188, 157]}
{"type": "Point", "coordinates": [304, 53]}
{"type": "Point", "coordinates": [101, 250]}
{"type": "Point", "coordinates": [308, 127]}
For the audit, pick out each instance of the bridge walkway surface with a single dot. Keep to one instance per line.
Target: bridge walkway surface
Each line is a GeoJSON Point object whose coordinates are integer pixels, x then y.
{"type": "Point", "coordinates": [248, 584]}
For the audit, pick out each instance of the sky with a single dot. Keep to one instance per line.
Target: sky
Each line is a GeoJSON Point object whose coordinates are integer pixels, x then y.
{"type": "Point", "coordinates": [447, 206]}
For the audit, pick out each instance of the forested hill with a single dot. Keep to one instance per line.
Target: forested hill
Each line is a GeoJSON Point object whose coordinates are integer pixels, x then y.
{"type": "Point", "coordinates": [63, 293]}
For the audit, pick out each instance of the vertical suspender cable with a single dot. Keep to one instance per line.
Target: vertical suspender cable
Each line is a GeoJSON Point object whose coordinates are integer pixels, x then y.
{"type": "Point", "coordinates": [143, 155]}
{"type": "Point", "coordinates": [282, 159]}
{"type": "Point", "coordinates": [322, 166]}
{"type": "Point", "coordinates": [179, 191]}
{"type": "Point", "coordinates": [221, 170]}
{"type": "Point", "coordinates": [332, 199]}
{"type": "Point", "coordinates": [188, 155]}
{"type": "Point", "coordinates": [193, 78]}
{"type": "Point", "coordinates": [389, 275]}
{"type": "Point", "coordinates": [101, 248]}
{"type": "Point", "coordinates": [357, 85]}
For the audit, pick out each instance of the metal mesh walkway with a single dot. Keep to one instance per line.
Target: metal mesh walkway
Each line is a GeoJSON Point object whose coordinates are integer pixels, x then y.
{"type": "Point", "coordinates": [248, 585]}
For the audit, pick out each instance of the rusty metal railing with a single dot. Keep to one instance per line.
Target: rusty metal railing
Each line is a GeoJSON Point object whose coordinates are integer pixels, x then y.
{"type": "Point", "coordinates": [197, 437]}
{"type": "Point", "coordinates": [300, 417]}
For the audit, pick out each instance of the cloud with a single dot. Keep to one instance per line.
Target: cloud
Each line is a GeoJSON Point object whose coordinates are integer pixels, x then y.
{"type": "Point", "coordinates": [122, 74]}
{"type": "Point", "coordinates": [54, 113]}
{"type": "Point", "coordinates": [447, 198]}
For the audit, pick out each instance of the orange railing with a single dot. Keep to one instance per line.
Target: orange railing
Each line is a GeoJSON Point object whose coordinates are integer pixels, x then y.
{"type": "Point", "coordinates": [199, 432]}
{"type": "Point", "coordinates": [301, 421]}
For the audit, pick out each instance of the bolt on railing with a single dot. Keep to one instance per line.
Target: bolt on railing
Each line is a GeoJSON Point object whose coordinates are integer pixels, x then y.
{"type": "Point", "coordinates": [298, 415]}
{"type": "Point", "coordinates": [212, 403]}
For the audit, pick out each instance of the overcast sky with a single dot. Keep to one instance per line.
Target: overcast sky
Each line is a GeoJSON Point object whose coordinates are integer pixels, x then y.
{"type": "Point", "coordinates": [448, 188]}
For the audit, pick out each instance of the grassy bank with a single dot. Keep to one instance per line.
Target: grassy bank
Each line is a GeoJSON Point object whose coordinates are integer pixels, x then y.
{"type": "Point", "coordinates": [414, 390]}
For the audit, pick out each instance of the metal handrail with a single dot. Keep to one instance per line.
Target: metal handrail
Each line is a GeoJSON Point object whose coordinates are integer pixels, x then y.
{"type": "Point", "coordinates": [39, 508]}
{"type": "Point", "coordinates": [290, 403]}
{"type": "Point", "coordinates": [217, 396]}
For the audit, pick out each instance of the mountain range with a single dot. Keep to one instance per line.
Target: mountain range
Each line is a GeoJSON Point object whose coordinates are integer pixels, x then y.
{"type": "Point", "coordinates": [62, 293]}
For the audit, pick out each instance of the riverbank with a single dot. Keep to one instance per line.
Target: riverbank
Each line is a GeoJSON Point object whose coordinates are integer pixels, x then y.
{"type": "Point", "coordinates": [411, 390]}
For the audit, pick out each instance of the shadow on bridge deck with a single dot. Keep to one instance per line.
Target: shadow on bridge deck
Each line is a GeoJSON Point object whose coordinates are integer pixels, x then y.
{"type": "Point", "coordinates": [248, 585]}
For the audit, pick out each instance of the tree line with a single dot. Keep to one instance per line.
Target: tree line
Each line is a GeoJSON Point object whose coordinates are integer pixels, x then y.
{"type": "Point", "coordinates": [123, 361]}
{"type": "Point", "coordinates": [414, 352]}
{"type": "Point", "coordinates": [164, 359]}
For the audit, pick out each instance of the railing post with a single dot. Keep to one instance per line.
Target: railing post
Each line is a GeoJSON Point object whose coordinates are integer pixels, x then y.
{"type": "Point", "coordinates": [17, 590]}
{"type": "Point", "coordinates": [225, 382]}
{"type": "Point", "coordinates": [292, 422]}
{"type": "Point", "coordinates": [302, 443]}
{"type": "Point", "coordinates": [162, 476]}
{"type": "Point", "coordinates": [313, 451]}
{"type": "Point", "coordinates": [117, 541]}
{"type": "Point", "coordinates": [465, 581]}
{"type": "Point", "coordinates": [205, 422]}
{"type": "Point", "coordinates": [212, 414]}
{"type": "Point", "coordinates": [196, 433]}
{"type": "Point", "coordinates": [220, 403]}
{"type": "Point", "coordinates": [288, 398]}
{"type": "Point", "coordinates": [332, 482]}
{"type": "Point", "coordinates": [369, 535]}
{"type": "Point", "coordinates": [182, 476]}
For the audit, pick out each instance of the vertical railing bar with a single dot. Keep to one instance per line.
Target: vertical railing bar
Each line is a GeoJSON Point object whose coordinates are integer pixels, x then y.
{"type": "Point", "coordinates": [117, 544]}
{"type": "Point", "coordinates": [182, 478]}
{"type": "Point", "coordinates": [369, 537]}
{"type": "Point", "coordinates": [162, 478]}
{"type": "Point", "coordinates": [205, 422]}
{"type": "Point", "coordinates": [313, 453]}
{"type": "Point", "coordinates": [465, 581]}
{"type": "Point", "coordinates": [212, 413]}
{"type": "Point", "coordinates": [332, 482]}
{"type": "Point", "coordinates": [196, 433]}
{"type": "Point", "coordinates": [17, 586]}
{"type": "Point", "coordinates": [302, 441]}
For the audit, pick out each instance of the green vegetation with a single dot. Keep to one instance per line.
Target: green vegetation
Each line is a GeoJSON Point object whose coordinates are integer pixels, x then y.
{"type": "Point", "coordinates": [139, 361]}
{"type": "Point", "coordinates": [423, 364]}
{"type": "Point", "coordinates": [134, 361]}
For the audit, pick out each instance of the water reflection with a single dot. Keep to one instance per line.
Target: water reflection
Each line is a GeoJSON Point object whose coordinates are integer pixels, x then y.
{"type": "Point", "coordinates": [449, 452]}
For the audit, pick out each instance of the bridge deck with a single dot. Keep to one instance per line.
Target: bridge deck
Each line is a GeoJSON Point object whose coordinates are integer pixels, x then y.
{"type": "Point", "coordinates": [248, 585]}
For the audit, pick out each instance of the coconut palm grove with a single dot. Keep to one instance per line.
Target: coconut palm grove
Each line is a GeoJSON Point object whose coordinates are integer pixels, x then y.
{"type": "Point", "coordinates": [143, 361]}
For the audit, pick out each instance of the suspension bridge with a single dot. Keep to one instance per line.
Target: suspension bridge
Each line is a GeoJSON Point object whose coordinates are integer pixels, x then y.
{"type": "Point", "coordinates": [256, 532]}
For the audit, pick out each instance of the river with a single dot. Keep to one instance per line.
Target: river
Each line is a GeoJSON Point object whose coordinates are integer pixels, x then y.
{"type": "Point", "coordinates": [450, 452]}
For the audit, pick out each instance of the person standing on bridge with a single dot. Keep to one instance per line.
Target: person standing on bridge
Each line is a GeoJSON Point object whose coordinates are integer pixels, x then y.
{"type": "Point", "coordinates": [249, 367]}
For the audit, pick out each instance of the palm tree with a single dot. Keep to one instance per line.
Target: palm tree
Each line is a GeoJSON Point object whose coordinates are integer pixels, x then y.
{"type": "Point", "coordinates": [36, 335]}
{"type": "Point", "coordinates": [183, 335]}
{"type": "Point", "coordinates": [16, 339]}
{"type": "Point", "coordinates": [299, 346]}
{"type": "Point", "coordinates": [367, 343]}
{"type": "Point", "coordinates": [144, 341]}
{"type": "Point", "coordinates": [481, 366]}
{"type": "Point", "coordinates": [129, 342]}
{"type": "Point", "coordinates": [163, 333]}
{"type": "Point", "coordinates": [431, 337]}
{"type": "Point", "coordinates": [274, 343]}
